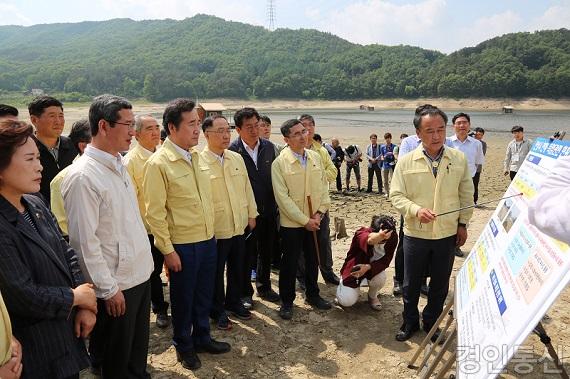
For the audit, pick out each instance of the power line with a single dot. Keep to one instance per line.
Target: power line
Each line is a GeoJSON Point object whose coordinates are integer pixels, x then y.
{"type": "Point", "coordinates": [271, 14]}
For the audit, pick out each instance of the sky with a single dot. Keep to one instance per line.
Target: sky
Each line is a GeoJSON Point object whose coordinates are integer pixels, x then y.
{"type": "Point", "coordinates": [442, 25]}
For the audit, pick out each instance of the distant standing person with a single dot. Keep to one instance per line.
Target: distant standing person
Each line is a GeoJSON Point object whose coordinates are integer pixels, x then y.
{"type": "Point", "coordinates": [56, 151]}
{"type": "Point", "coordinates": [517, 151]}
{"type": "Point", "coordinates": [479, 133]}
{"type": "Point", "coordinates": [388, 162]}
{"type": "Point", "coordinates": [471, 147]}
{"type": "Point", "coordinates": [337, 156]}
{"type": "Point", "coordinates": [352, 156]}
{"type": "Point", "coordinates": [374, 157]}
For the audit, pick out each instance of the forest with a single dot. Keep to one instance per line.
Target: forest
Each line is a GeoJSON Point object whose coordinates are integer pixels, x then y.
{"type": "Point", "coordinates": [208, 57]}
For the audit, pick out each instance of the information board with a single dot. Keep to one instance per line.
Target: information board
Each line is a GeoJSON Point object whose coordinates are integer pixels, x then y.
{"type": "Point", "coordinates": [512, 275]}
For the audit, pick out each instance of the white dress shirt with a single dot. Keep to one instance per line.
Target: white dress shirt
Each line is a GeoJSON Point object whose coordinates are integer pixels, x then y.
{"type": "Point", "coordinates": [408, 144]}
{"type": "Point", "coordinates": [473, 150]}
{"type": "Point", "coordinates": [252, 152]}
{"type": "Point", "coordinates": [186, 154]}
{"type": "Point", "coordinates": [105, 226]}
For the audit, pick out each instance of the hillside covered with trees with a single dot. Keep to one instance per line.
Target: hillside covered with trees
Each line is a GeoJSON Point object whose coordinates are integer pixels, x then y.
{"type": "Point", "coordinates": [208, 57]}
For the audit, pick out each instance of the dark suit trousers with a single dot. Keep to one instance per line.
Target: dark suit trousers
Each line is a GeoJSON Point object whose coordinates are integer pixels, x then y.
{"type": "Point", "coordinates": [325, 251]}
{"type": "Point", "coordinates": [191, 293]}
{"type": "Point", "coordinates": [156, 293]}
{"type": "Point", "coordinates": [371, 171]}
{"type": "Point", "coordinates": [399, 256]}
{"type": "Point", "coordinates": [259, 250]}
{"type": "Point", "coordinates": [119, 345]}
{"type": "Point", "coordinates": [338, 179]}
{"type": "Point", "coordinates": [232, 252]}
{"type": "Point", "coordinates": [419, 254]}
{"type": "Point", "coordinates": [297, 241]}
{"type": "Point", "coordinates": [476, 178]}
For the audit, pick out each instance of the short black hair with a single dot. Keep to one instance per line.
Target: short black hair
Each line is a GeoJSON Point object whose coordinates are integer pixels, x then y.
{"type": "Point", "coordinates": [245, 113]}
{"type": "Point", "coordinates": [383, 222]}
{"type": "Point", "coordinates": [427, 110]}
{"type": "Point", "coordinates": [373, 135]}
{"type": "Point", "coordinates": [517, 128]}
{"type": "Point", "coordinates": [461, 114]}
{"type": "Point", "coordinates": [388, 135]}
{"type": "Point", "coordinates": [37, 106]}
{"type": "Point", "coordinates": [287, 125]}
{"type": "Point", "coordinates": [173, 112]}
{"type": "Point", "coordinates": [80, 132]}
{"type": "Point", "coordinates": [163, 134]}
{"type": "Point", "coordinates": [306, 116]}
{"type": "Point", "coordinates": [403, 135]}
{"type": "Point", "coordinates": [479, 130]}
{"type": "Point", "coordinates": [8, 110]}
{"type": "Point", "coordinates": [209, 121]}
{"type": "Point", "coordinates": [106, 107]}
{"type": "Point", "coordinates": [265, 119]}
{"type": "Point", "coordinates": [317, 137]}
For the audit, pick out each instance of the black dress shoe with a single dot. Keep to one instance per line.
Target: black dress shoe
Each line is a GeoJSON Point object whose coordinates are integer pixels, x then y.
{"type": "Point", "coordinates": [269, 295]}
{"type": "Point", "coordinates": [214, 347]}
{"type": "Point", "coordinates": [162, 320]}
{"type": "Point", "coordinates": [397, 291]}
{"type": "Point", "coordinates": [319, 303]}
{"type": "Point", "coordinates": [406, 332]}
{"type": "Point", "coordinates": [286, 312]}
{"type": "Point", "coordinates": [331, 279]}
{"type": "Point", "coordinates": [459, 253]}
{"type": "Point", "coordinates": [240, 312]}
{"type": "Point", "coordinates": [189, 359]}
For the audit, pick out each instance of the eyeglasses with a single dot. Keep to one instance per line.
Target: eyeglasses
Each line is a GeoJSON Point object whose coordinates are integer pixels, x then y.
{"type": "Point", "coordinates": [220, 131]}
{"type": "Point", "coordinates": [299, 134]}
{"type": "Point", "coordinates": [130, 125]}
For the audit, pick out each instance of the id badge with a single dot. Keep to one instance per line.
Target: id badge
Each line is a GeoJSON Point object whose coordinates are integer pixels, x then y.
{"type": "Point", "coordinates": [515, 157]}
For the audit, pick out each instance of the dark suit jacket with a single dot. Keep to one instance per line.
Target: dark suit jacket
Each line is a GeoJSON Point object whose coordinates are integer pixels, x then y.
{"type": "Point", "coordinates": [37, 271]}
{"type": "Point", "coordinates": [260, 176]}
{"type": "Point", "coordinates": [66, 154]}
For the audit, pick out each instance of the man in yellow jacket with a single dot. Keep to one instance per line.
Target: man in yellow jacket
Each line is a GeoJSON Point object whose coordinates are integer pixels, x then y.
{"type": "Point", "coordinates": [297, 175]}
{"type": "Point", "coordinates": [234, 213]}
{"type": "Point", "coordinates": [430, 180]}
{"type": "Point", "coordinates": [325, 251]}
{"type": "Point", "coordinates": [147, 134]}
{"type": "Point", "coordinates": [180, 214]}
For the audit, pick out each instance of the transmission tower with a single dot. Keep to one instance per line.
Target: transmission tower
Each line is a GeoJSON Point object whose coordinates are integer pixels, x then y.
{"type": "Point", "coordinates": [271, 14]}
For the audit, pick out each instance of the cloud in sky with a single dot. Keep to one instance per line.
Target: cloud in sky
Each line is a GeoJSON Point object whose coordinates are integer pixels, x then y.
{"type": "Point", "coordinates": [444, 25]}
{"type": "Point", "coordinates": [429, 23]}
{"type": "Point", "coordinates": [11, 15]}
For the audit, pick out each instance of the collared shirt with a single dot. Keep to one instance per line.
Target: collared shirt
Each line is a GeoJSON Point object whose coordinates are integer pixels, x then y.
{"type": "Point", "coordinates": [187, 155]}
{"type": "Point", "coordinates": [414, 186]}
{"type": "Point", "coordinates": [178, 198]}
{"type": "Point", "coordinates": [252, 152]}
{"type": "Point", "coordinates": [292, 184]}
{"type": "Point", "coordinates": [373, 151]}
{"type": "Point", "coordinates": [434, 161]}
{"type": "Point", "coordinates": [105, 226]}
{"type": "Point", "coordinates": [134, 162]}
{"type": "Point", "coordinates": [408, 144]}
{"type": "Point", "coordinates": [232, 194]}
{"type": "Point", "coordinates": [52, 150]}
{"type": "Point", "coordinates": [302, 158]}
{"type": "Point", "coordinates": [516, 154]}
{"type": "Point", "coordinates": [472, 149]}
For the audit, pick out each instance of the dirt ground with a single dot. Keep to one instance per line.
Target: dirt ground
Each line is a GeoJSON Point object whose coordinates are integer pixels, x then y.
{"type": "Point", "coordinates": [353, 342]}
